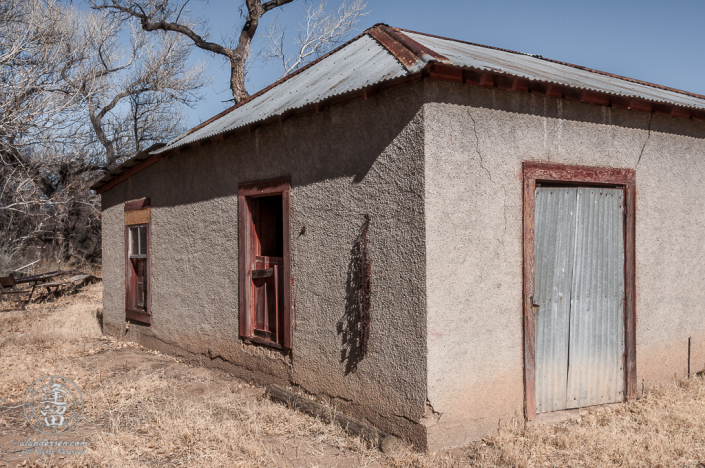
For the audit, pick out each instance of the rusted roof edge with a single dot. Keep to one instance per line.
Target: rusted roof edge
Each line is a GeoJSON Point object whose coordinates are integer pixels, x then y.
{"type": "Point", "coordinates": [509, 81]}
{"type": "Point", "coordinates": [438, 71]}
{"type": "Point", "coordinates": [407, 58]}
{"type": "Point", "coordinates": [579, 67]}
{"type": "Point", "coordinates": [412, 55]}
{"type": "Point", "coordinates": [124, 167]}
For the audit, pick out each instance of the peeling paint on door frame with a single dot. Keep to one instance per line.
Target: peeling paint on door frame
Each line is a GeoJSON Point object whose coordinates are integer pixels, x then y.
{"type": "Point", "coordinates": [537, 172]}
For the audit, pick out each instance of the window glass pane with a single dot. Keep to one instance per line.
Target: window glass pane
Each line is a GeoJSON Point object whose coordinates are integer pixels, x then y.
{"type": "Point", "coordinates": [141, 284]}
{"type": "Point", "coordinates": [134, 241]}
{"type": "Point", "coordinates": [143, 240]}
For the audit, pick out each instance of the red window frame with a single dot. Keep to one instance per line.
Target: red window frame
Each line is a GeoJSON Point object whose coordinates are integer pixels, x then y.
{"type": "Point", "coordinates": [138, 214]}
{"type": "Point", "coordinates": [247, 251]}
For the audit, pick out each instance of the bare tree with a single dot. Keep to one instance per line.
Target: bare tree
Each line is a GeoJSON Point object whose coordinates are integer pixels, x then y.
{"type": "Point", "coordinates": [152, 119]}
{"type": "Point", "coordinates": [34, 100]}
{"type": "Point", "coordinates": [320, 31]}
{"type": "Point", "coordinates": [168, 15]}
{"type": "Point", "coordinates": [73, 102]}
{"type": "Point", "coordinates": [323, 31]}
{"type": "Point", "coordinates": [112, 79]}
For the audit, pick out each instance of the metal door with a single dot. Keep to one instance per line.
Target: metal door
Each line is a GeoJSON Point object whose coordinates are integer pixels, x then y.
{"type": "Point", "coordinates": [579, 294]}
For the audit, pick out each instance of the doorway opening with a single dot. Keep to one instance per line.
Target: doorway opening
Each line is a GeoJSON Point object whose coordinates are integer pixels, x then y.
{"type": "Point", "coordinates": [264, 268]}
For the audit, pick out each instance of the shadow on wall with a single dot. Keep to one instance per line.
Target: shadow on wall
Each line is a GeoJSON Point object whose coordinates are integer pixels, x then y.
{"type": "Point", "coordinates": [538, 105]}
{"type": "Point", "coordinates": [353, 327]}
{"type": "Point", "coordinates": [312, 148]}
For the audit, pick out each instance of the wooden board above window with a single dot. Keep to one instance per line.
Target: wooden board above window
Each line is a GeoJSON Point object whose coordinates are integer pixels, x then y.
{"type": "Point", "coordinates": [143, 216]}
{"type": "Point", "coordinates": [138, 212]}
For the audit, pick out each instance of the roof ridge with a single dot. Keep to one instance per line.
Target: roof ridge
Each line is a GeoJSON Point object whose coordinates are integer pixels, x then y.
{"type": "Point", "coordinates": [412, 55]}
{"type": "Point", "coordinates": [273, 85]}
{"type": "Point", "coordinates": [579, 67]}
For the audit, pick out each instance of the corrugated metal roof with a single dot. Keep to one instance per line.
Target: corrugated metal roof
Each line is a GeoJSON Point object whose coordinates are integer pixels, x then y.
{"type": "Point", "coordinates": [361, 63]}
{"type": "Point", "coordinates": [539, 69]}
{"type": "Point", "coordinates": [364, 62]}
{"type": "Point", "coordinates": [382, 54]}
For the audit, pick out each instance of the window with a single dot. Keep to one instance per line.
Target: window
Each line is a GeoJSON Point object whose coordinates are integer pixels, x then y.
{"type": "Point", "coordinates": [137, 264]}
{"type": "Point", "coordinates": [264, 266]}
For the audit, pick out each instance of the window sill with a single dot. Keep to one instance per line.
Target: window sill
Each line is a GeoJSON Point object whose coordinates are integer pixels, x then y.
{"type": "Point", "coordinates": [140, 316]}
{"type": "Point", "coordinates": [264, 342]}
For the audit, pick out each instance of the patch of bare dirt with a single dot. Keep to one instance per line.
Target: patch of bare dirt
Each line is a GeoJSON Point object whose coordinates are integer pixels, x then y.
{"type": "Point", "coordinates": [145, 409]}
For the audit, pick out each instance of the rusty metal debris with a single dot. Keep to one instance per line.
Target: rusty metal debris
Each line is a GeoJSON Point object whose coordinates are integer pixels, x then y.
{"type": "Point", "coordinates": [51, 281]}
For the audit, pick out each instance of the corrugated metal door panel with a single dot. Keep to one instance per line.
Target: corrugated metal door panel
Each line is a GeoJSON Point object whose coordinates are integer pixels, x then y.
{"type": "Point", "coordinates": [554, 253]}
{"type": "Point", "coordinates": [596, 341]}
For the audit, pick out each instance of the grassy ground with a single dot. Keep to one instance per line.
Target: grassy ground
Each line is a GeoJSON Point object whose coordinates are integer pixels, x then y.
{"type": "Point", "coordinates": [145, 409]}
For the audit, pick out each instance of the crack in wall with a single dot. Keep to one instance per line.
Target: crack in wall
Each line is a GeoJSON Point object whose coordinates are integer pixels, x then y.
{"type": "Point", "coordinates": [477, 146]}
{"type": "Point", "coordinates": [504, 210]}
{"type": "Point", "coordinates": [430, 416]}
{"type": "Point", "coordinates": [648, 136]}
{"type": "Point", "coordinates": [405, 418]}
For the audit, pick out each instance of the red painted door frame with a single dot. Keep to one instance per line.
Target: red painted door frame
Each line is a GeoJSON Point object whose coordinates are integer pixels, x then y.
{"type": "Point", "coordinates": [537, 172]}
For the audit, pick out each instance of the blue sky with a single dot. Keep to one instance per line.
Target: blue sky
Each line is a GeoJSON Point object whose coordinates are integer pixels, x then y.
{"type": "Point", "coordinates": [661, 42]}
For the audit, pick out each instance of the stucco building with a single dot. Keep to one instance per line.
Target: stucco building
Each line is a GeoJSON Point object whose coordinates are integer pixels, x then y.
{"type": "Point", "coordinates": [435, 234]}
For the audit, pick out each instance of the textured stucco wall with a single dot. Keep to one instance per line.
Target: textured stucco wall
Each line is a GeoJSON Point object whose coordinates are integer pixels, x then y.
{"type": "Point", "coordinates": [364, 157]}
{"type": "Point", "coordinates": [476, 140]}
{"type": "Point", "coordinates": [438, 167]}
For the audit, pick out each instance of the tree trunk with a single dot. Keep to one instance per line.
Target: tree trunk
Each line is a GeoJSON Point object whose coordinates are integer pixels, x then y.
{"type": "Point", "coordinates": [110, 155]}
{"type": "Point", "coordinates": [237, 79]}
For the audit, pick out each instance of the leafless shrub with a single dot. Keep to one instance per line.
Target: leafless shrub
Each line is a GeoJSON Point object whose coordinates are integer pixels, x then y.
{"type": "Point", "coordinates": [8, 259]}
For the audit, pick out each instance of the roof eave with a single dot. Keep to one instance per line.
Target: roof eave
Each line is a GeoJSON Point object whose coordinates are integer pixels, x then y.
{"type": "Point", "coordinates": [419, 61]}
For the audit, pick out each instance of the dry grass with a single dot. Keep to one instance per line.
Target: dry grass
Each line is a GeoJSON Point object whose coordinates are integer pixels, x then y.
{"type": "Point", "coordinates": [8, 259]}
{"type": "Point", "coordinates": [144, 409]}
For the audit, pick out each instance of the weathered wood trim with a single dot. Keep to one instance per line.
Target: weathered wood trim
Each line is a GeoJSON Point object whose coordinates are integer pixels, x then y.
{"type": "Point", "coordinates": [134, 217]}
{"type": "Point", "coordinates": [280, 186]}
{"type": "Point", "coordinates": [244, 267]}
{"type": "Point", "coordinates": [265, 187]}
{"type": "Point", "coordinates": [552, 172]}
{"type": "Point", "coordinates": [131, 315]}
{"type": "Point", "coordinates": [135, 205]}
{"type": "Point", "coordinates": [138, 316]}
{"type": "Point", "coordinates": [148, 301]}
{"type": "Point", "coordinates": [537, 172]}
{"type": "Point", "coordinates": [630, 377]}
{"type": "Point", "coordinates": [287, 338]}
{"type": "Point", "coordinates": [128, 270]}
{"type": "Point", "coordinates": [263, 341]}
{"type": "Point", "coordinates": [529, 333]}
